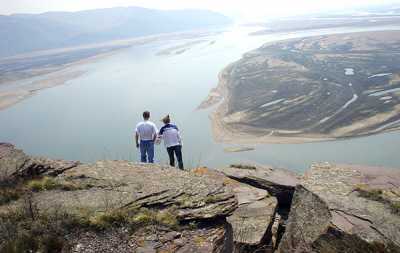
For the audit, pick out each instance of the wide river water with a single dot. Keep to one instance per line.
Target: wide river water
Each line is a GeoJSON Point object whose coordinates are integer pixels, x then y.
{"type": "Point", "coordinates": [93, 117]}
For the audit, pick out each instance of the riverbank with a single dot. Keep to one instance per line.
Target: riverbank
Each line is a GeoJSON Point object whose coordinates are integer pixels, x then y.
{"type": "Point", "coordinates": [11, 94]}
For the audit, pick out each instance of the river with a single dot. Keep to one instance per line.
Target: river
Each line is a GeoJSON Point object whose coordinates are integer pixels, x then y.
{"type": "Point", "coordinates": [93, 116]}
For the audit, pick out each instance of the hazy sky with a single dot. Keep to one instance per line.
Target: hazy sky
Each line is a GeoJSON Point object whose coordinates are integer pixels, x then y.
{"type": "Point", "coordinates": [243, 8]}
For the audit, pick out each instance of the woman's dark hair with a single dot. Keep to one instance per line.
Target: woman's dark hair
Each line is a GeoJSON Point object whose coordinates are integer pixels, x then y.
{"type": "Point", "coordinates": [166, 119]}
{"type": "Point", "coordinates": [146, 115]}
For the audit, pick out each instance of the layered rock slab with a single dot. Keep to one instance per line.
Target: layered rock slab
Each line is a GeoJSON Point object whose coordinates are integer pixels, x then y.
{"type": "Point", "coordinates": [122, 184]}
{"type": "Point", "coordinates": [14, 163]}
{"type": "Point", "coordinates": [278, 182]}
{"type": "Point", "coordinates": [252, 220]}
{"type": "Point", "coordinates": [341, 208]}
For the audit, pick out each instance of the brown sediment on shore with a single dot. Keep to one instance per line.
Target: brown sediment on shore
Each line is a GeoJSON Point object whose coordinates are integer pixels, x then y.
{"type": "Point", "coordinates": [56, 76]}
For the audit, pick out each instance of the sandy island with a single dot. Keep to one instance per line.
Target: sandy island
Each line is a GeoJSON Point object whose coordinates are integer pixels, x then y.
{"type": "Point", "coordinates": [229, 125]}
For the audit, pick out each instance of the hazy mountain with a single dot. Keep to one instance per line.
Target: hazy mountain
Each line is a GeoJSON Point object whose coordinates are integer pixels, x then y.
{"type": "Point", "coordinates": [23, 33]}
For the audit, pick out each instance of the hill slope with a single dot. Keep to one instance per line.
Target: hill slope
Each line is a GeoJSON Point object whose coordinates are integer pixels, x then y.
{"type": "Point", "coordinates": [29, 32]}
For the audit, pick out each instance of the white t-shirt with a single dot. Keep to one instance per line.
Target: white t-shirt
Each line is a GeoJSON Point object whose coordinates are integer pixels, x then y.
{"type": "Point", "coordinates": [170, 134]}
{"type": "Point", "coordinates": [146, 130]}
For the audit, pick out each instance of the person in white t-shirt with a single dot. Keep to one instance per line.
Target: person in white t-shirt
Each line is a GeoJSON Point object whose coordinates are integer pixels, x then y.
{"type": "Point", "coordinates": [146, 134]}
{"type": "Point", "coordinates": [169, 133]}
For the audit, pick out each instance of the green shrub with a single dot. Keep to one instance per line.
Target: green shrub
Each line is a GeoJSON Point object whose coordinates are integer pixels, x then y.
{"type": "Point", "coordinates": [143, 217]}
{"type": "Point", "coordinates": [48, 183]}
{"type": "Point", "coordinates": [108, 219]}
{"type": "Point", "coordinates": [395, 206]}
{"type": "Point", "coordinates": [166, 218]}
{"type": "Point", "coordinates": [43, 184]}
{"type": "Point", "coordinates": [23, 242]}
{"type": "Point", "coordinates": [377, 195]}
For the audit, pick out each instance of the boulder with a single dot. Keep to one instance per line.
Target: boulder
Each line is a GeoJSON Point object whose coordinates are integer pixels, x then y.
{"type": "Point", "coordinates": [278, 182]}
{"type": "Point", "coordinates": [14, 163]}
{"type": "Point", "coordinates": [252, 220]}
{"type": "Point", "coordinates": [342, 208]}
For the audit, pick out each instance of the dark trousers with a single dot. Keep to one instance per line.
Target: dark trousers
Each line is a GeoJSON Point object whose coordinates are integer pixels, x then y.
{"type": "Point", "coordinates": [177, 150]}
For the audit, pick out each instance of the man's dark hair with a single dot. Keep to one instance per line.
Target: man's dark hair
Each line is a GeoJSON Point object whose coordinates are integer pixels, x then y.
{"type": "Point", "coordinates": [146, 115]}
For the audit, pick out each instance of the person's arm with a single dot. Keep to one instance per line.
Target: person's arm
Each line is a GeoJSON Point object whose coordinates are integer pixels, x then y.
{"type": "Point", "coordinates": [179, 137]}
{"type": "Point", "coordinates": [137, 139]}
{"type": "Point", "coordinates": [160, 133]}
{"type": "Point", "coordinates": [155, 136]}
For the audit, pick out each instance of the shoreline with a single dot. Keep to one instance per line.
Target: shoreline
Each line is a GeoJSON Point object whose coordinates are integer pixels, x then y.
{"type": "Point", "coordinates": [10, 98]}
{"type": "Point", "coordinates": [59, 76]}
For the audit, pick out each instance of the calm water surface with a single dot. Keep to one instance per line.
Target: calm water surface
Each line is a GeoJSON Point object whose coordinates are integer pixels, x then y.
{"type": "Point", "coordinates": [93, 117]}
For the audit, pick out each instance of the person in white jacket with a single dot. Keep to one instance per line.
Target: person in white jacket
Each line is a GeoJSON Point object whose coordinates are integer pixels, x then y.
{"type": "Point", "coordinates": [169, 133]}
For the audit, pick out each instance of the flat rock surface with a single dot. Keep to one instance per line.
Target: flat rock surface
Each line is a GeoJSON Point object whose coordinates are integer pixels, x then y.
{"type": "Point", "coordinates": [266, 175]}
{"type": "Point", "coordinates": [152, 240]}
{"type": "Point", "coordinates": [121, 184]}
{"type": "Point", "coordinates": [371, 219]}
{"type": "Point", "coordinates": [278, 182]}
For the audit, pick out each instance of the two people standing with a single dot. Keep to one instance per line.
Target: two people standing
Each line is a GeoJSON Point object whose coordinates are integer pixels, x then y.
{"type": "Point", "coordinates": [147, 134]}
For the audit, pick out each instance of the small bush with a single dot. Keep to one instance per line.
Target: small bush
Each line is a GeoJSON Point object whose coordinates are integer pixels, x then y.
{"type": "Point", "coordinates": [48, 183]}
{"type": "Point", "coordinates": [193, 225]}
{"type": "Point", "coordinates": [43, 184]}
{"type": "Point", "coordinates": [132, 218]}
{"type": "Point", "coordinates": [108, 219]}
{"type": "Point", "coordinates": [23, 242]}
{"type": "Point", "coordinates": [372, 194]}
{"type": "Point", "coordinates": [22, 234]}
{"type": "Point", "coordinates": [166, 218]}
{"type": "Point", "coordinates": [395, 206]}
{"type": "Point", "coordinates": [9, 194]}
{"type": "Point", "coordinates": [377, 195]}
{"type": "Point", "coordinates": [143, 217]}
{"type": "Point", "coordinates": [211, 199]}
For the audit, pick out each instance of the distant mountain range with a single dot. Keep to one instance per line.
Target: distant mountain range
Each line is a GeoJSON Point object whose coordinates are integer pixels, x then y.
{"type": "Point", "coordinates": [23, 33]}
